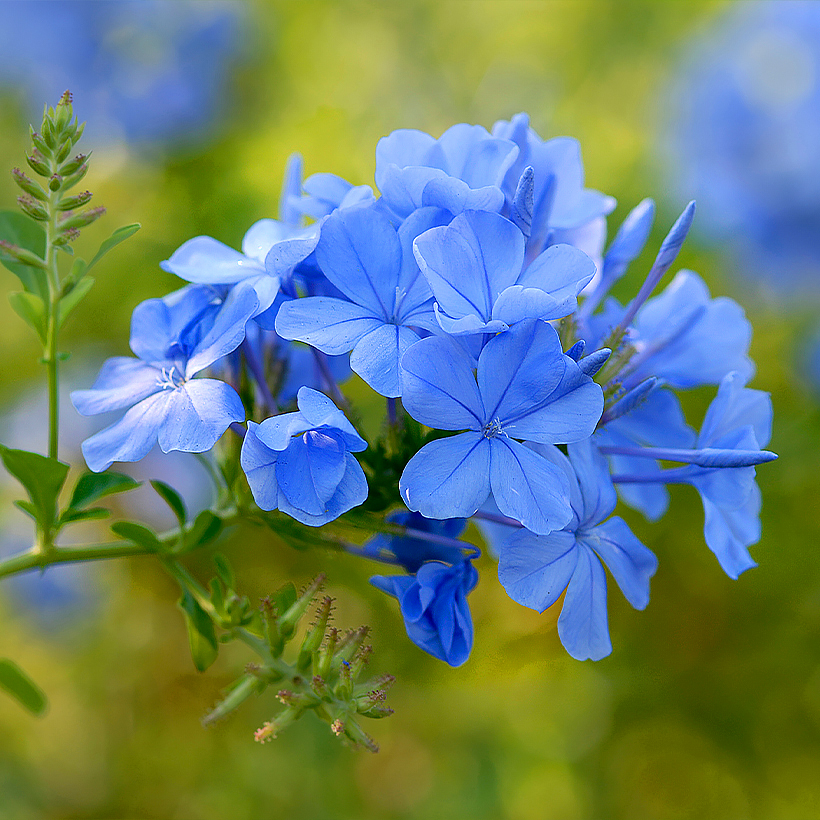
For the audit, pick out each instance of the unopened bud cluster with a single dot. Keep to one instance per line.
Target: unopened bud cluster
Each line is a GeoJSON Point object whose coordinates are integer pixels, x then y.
{"type": "Point", "coordinates": [327, 677]}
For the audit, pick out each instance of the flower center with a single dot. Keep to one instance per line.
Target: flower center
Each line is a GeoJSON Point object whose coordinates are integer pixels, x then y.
{"type": "Point", "coordinates": [492, 428]}
{"type": "Point", "coordinates": [170, 378]}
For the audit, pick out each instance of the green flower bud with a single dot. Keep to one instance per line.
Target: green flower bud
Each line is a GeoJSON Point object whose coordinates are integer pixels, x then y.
{"type": "Point", "coordinates": [70, 203]}
{"type": "Point", "coordinates": [315, 635]}
{"type": "Point", "coordinates": [40, 144]}
{"type": "Point", "coordinates": [69, 236]}
{"type": "Point", "coordinates": [21, 255]}
{"type": "Point", "coordinates": [38, 164]}
{"type": "Point", "coordinates": [74, 164]}
{"type": "Point", "coordinates": [81, 219]}
{"type": "Point", "coordinates": [244, 688]}
{"type": "Point", "coordinates": [34, 209]}
{"type": "Point", "coordinates": [29, 185]}
{"type": "Point", "coordinates": [73, 179]}
{"type": "Point", "coordinates": [64, 151]}
{"type": "Point", "coordinates": [289, 620]}
{"type": "Point", "coordinates": [54, 182]}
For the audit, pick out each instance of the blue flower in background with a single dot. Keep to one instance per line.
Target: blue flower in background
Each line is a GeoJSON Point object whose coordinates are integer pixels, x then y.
{"type": "Point", "coordinates": [744, 132]}
{"type": "Point", "coordinates": [536, 569]}
{"type": "Point", "coordinates": [434, 607]}
{"type": "Point", "coordinates": [301, 463]}
{"type": "Point", "coordinates": [175, 338]}
{"type": "Point", "coordinates": [146, 71]}
{"type": "Point", "coordinates": [524, 388]}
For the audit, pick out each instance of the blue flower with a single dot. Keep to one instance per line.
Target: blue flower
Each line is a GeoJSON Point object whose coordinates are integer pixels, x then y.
{"type": "Point", "coordinates": [536, 569]}
{"type": "Point", "coordinates": [387, 299]}
{"type": "Point", "coordinates": [301, 463]}
{"type": "Point", "coordinates": [524, 388]}
{"type": "Point", "coordinates": [474, 268]}
{"type": "Point", "coordinates": [462, 169]}
{"type": "Point", "coordinates": [175, 338]}
{"type": "Point", "coordinates": [434, 607]}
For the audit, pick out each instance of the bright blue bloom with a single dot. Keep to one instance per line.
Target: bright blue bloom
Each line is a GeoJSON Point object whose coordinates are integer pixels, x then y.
{"type": "Point", "coordinates": [412, 552]}
{"type": "Point", "coordinates": [563, 211]}
{"type": "Point", "coordinates": [301, 463]}
{"type": "Point", "coordinates": [536, 569]}
{"type": "Point", "coordinates": [387, 299]}
{"type": "Point", "coordinates": [743, 129]}
{"type": "Point", "coordinates": [434, 607]}
{"type": "Point", "coordinates": [145, 71]}
{"type": "Point", "coordinates": [474, 268]}
{"type": "Point", "coordinates": [463, 169]}
{"type": "Point", "coordinates": [175, 338]}
{"type": "Point", "coordinates": [524, 388]}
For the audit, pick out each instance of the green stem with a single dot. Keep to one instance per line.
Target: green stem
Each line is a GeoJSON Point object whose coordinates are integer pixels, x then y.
{"type": "Point", "coordinates": [51, 347]}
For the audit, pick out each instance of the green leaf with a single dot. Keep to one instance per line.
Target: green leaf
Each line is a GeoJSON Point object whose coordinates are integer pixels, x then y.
{"type": "Point", "coordinates": [71, 516]}
{"type": "Point", "coordinates": [73, 298]}
{"type": "Point", "coordinates": [42, 477]}
{"type": "Point", "coordinates": [22, 231]}
{"type": "Point", "coordinates": [32, 310]}
{"type": "Point", "coordinates": [92, 487]}
{"type": "Point", "coordinates": [137, 533]}
{"type": "Point", "coordinates": [224, 571]}
{"type": "Point", "coordinates": [120, 235]}
{"type": "Point", "coordinates": [201, 632]}
{"type": "Point", "coordinates": [21, 687]}
{"type": "Point", "coordinates": [28, 508]}
{"type": "Point", "coordinates": [172, 498]}
{"type": "Point", "coordinates": [205, 528]}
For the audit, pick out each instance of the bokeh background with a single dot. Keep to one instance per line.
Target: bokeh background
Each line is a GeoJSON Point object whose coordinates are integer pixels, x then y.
{"type": "Point", "coordinates": [708, 707]}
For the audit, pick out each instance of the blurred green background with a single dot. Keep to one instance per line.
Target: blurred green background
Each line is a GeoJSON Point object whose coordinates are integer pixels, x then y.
{"type": "Point", "coordinates": [708, 707]}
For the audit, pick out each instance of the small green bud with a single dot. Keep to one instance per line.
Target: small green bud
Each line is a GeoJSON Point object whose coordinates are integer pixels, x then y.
{"type": "Point", "coordinates": [69, 236]}
{"type": "Point", "coordinates": [34, 209]}
{"type": "Point", "coordinates": [353, 732]}
{"type": "Point", "coordinates": [315, 635]}
{"type": "Point", "coordinates": [38, 164]}
{"type": "Point", "coordinates": [73, 164]}
{"type": "Point", "coordinates": [78, 133]}
{"type": "Point", "coordinates": [48, 131]}
{"type": "Point", "coordinates": [71, 203]}
{"type": "Point", "coordinates": [82, 219]}
{"type": "Point", "coordinates": [40, 144]}
{"type": "Point", "coordinates": [319, 686]}
{"type": "Point", "coordinates": [244, 688]}
{"type": "Point", "coordinates": [351, 643]}
{"type": "Point", "coordinates": [344, 688]}
{"type": "Point", "coordinates": [62, 116]}
{"type": "Point", "coordinates": [289, 620]}
{"type": "Point", "coordinates": [21, 255]}
{"type": "Point", "coordinates": [270, 729]}
{"type": "Point", "coordinates": [71, 180]}
{"type": "Point", "coordinates": [54, 182]}
{"type": "Point", "coordinates": [360, 661]}
{"type": "Point", "coordinates": [64, 151]}
{"type": "Point", "coordinates": [323, 659]}
{"type": "Point", "coordinates": [29, 185]}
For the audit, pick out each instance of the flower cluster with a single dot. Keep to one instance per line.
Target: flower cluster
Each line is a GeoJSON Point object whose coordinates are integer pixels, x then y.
{"type": "Point", "coordinates": [473, 294]}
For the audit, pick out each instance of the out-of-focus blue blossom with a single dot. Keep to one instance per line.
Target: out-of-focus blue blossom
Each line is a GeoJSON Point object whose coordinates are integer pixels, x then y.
{"type": "Point", "coordinates": [144, 70]}
{"type": "Point", "coordinates": [536, 569]}
{"type": "Point", "coordinates": [387, 299]}
{"type": "Point", "coordinates": [175, 338]}
{"type": "Point", "coordinates": [744, 132]}
{"type": "Point", "coordinates": [475, 268]}
{"type": "Point", "coordinates": [301, 463]}
{"type": "Point", "coordinates": [562, 210]}
{"type": "Point", "coordinates": [525, 388]}
{"type": "Point", "coordinates": [434, 607]}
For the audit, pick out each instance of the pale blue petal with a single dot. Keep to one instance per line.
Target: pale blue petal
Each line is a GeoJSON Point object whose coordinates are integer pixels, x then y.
{"type": "Point", "coordinates": [592, 474]}
{"type": "Point", "coordinates": [287, 254]}
{"type": "Point", "coordinates": [455, 196]}
{"type": "Point", "coordinates": [309, 470]}
{"type": "Point", "coordinates": [403, 147]}
{"type": "Point", "coordinates": [413, 290]}
{"type": "Point", "coordinates": [438, 386]}
{"type": "Point", "coordinates": [258, 462]}
{"type": "Point", "coordinates": [563, 272]}
{"type": "Point", "coordinates": [729, 532]}
{"type": "Point", "coordinates": [262, 236]}
{"type": "Point", "coordinates": [377, 355]}
{"type": "Point", "coordinates": [448, 478]}
{"type": "Point", "coordinates": [319, 411]}
{"type": "Point", "coordinates": [527, 487]}
{"type": "Point", "coordinates": [535, 569]}
{"type": "Point", "coordinates": [331, 325]}
{"type": "Point", "coordinates": [736, 406]}
{"type": "Point", "coordinates": [206, 261]}
{"type": "Point", "coordinates": [583, 626]}
{"type": "Point", "coordinates": [122, 381]}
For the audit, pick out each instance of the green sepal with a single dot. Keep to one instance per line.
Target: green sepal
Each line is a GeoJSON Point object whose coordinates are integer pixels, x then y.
{"type": "Point", "coordinates": [172, 498]}
{"type": "Point", "coordinates": [201, 632]}
{"type": "Point", "coordinates": [21, 231]}
{"type": "Point", "coordinates": [92, 487]}
{"type": "Point", "coordinates": [120, 235]}
{"type": "Point", "coordinates": [139, 534]}
{"type": "Point", "coordinates": [22, 688]}
{"type": "Point", "coordinates": [32, 310]}
{"type": "Point", "coordinates": [79, 268]}
{"type": "Point", "coordinates": [42, 477]}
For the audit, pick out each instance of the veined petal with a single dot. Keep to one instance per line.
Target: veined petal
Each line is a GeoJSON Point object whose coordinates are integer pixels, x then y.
{"type": "Point", "coordinates": [527, 487]}
{"type": "Point", "coordinates": [729, 532]}
{"type": "Point", "coordinates": [258, 462]}
{"type": "Point", "coordinates": [456, 196]}
{"type": "Point", "coordinates": [563, 272]}
{"type": "Point", "coordinates": [448, 478]}
{"type": "Point", "coordinates": [331, 325]}
{"type": "Point", "coordinates": [319, 411]}
{"type": "Point", "coordinates": [592, 474]}
{"type": "Point", "coordinates": [309, 470]}
{"type": "Point", "coordinates": [438, 386]}
{"type": "Point", "coordinates": [377, 356]}
{"type": "Point", "coordinates": [129, 439]}
{"type": "Point", "coordinates": [198, 413]}
{"type": "Point", "coordinates": [583, 625]}
{"type": "Point", "coordinates": [205, 260]}
{"type": "Point", "coordinates": [405, 146]}
{"type": "Point", "coordinates": [122, 381]}
{"type": "Point", "coordinates": [535, 569]}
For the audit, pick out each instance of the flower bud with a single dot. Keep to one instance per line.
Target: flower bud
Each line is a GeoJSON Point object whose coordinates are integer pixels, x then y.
{"type": "Point", "coordinates": [39, 143]}
{"type": "Point", "coordinates": [21, 255]}
{"type": "Point", "coordinates": [29, 185]}
{"type": "Point", "coordinates": [71, 180]}
{"type": "Point", "coordinates": [73, 164]}
{"type": "Point", "coordinates": [54, 182]}
{"type": "Point", "coordinates": [289, 620]}
{"type": "Point", "coordinates": [81, 220]}
{"type": "Point", "coordinates": [313, 638]}
{"type": "Point", "coordinates": [70, 203]}
{"type": "Point", "coordinates": [34, 209]}
{"type": "Point", "coordinates": [64, 151]}
{"type": "Point", "coordinates": [38, 164]}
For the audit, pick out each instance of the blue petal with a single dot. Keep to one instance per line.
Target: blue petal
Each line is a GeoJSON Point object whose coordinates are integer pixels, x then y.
{"type": "Point", "coordinates": [563, 272]}
{"type": "Point", "coordinates": [198, 413]}
{"type": "Point", "coordinates": [319, 411]}
{"type": "Point", "coordinates": [413, 288]}
{"type": "Point", "coordinates": [448, 478]}
{"type": "Point", "coordinates": [262, 236]}
{"type": "Point", "coordinates": [258, 462]}
{"type": "Point", "coordinates": [729, 532]}
{"type": "Point", "coordinates": [122, 381]}
{"type": "Point", "coordinates": [129, 439]}
{"type": "Point", "coordinates": [309, 470]}
{"type": "Point", "coordinates": [455, 196]}
{"type": "Point", "coordinates": [331, 325]}
{"type": "Point", "coordinates": [403, 147]}
{"type": "Point", "coordinates": [736, 406]}
{"type": "Point", "coordinates": [629, 561]}
{"type": "Point", "coordinates": [377, 355]}
{"type": "Point", "coordinates": [285, 255]}
{"type": "Point", "coordinates": [475, 156]}
{"type": "Point", "coordinates": [438, 386]}
{"type": "Point", "coordinates": [360, 253]}
{"type": "Point", "coordinates": [206, 261]}
{"type": "Point", "coordinates": [527, 487]}
{"type": "Point", "coordinates": [583, 626]}
{"type": "Point", "coordinates": [535, 569]}
{"type": "Point", "coordinates": [592, 473]}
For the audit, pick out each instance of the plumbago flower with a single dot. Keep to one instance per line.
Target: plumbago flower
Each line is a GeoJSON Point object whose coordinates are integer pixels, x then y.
{"type": "Point", "coordinates": [467, 293]}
